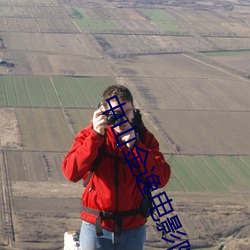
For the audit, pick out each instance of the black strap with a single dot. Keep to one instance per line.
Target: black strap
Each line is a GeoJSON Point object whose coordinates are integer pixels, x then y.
{"type": "Point", "coordinates": [98, 227]}
{"type": "Point", "coordinates": [95, 164]}
{"type": "Point", "coordinates": [140, 128]}
{"type": "Point", "coordinates": [109, 215]}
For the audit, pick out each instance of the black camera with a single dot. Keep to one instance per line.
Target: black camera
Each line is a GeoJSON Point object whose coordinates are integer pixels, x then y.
{"type": "Point", "coordinates": [112, 117]}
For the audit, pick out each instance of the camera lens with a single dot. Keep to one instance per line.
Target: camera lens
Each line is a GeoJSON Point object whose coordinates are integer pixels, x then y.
{"type": "Point", "coordinates": [112, 119]}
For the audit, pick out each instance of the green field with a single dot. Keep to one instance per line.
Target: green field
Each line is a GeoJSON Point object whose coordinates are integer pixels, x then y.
{"type": "Point", "coordinates": [79, 13]}
{"type": "Point", "coordinates": [226, 53]}
{"type": "Point", "coordinates": [156, 15]}
{"type": "Point", "coordinates": [55, 91]}
{"type": "Point", "coordinates": [87, 23]}
{"type": "Point", "coordinates": [93, 25]}
{"type": "Point", "coordinates": [208, 173]}
{"type": "Point", "coordinates": [161, 19]}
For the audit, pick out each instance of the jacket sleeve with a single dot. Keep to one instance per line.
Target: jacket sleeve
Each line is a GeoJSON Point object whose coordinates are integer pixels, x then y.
{"type": "Point", "coordinates": [83, 152]}
{"type": "Point", "coordinates": [155, 158]}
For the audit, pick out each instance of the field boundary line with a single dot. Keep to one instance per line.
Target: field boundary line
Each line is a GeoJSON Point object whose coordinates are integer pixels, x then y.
{"type": "Point", "coordinates": [7, 206]}
{"type": "Point", "coordinates": [232, 171]}
{"type": "Point", "coordinates": [204, 110]}
{"type": "Point", "coordinates": [181, 184]}
{"type": "Point", "coordinates": [80, 85]}
{"type": "Point", "coordinates": [216, 67]}
{"type": "Point", "coordinates": [68, 121]}
{"type": "Point", "coordinates": [247, 166]}
{"type": "Point", "coordinates": [25, 166]}
{"type": "Point", "coordinates": [34, 151]}
{"type": "Point", "coordinates": [42, 52]}
{"type": "Point", "coordinates": [54, 87]}
{"type": "Point", "coordinates": [14, 85]}
{"type": "Point", "coordinates": [191, 169]}
{"type": "Point", "coordinates": [65, 115]}
{"type": "Point", "coordinates": [69, 89]}
{"type": "Point", "coordinates": [214, 172]}
{"type": "Point", "coordinates": [5, 93]}
{"type": "Point", "coordinates": [96, 84]}
{"type": "Point", "coordinates": [79, 29]}
{"type": "Point", "coordinates": [153, 120]}
{"type": "Point", "coordinates": [27, 89]}
{"type": "Point", "coordinates": [70, 18]}
{"type": "Point", "coordinates": [42, 88]}
{"type": "Point", "coordinates": [142, 109]}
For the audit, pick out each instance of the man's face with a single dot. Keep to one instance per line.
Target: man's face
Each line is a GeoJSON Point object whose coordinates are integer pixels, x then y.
{"type": "Point", "coordinates": [128, 109]}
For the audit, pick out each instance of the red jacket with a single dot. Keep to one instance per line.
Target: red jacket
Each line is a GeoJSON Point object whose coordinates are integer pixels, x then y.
{"type": "Point", "coordinates": [101, 191]}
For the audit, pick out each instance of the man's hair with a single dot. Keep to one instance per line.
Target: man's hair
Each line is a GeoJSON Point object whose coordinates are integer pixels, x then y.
{"type": "Point", "coordinates": [122, 93]}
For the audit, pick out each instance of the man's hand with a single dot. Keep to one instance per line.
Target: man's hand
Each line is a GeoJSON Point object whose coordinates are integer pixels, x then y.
{"type": "Point", "coordinates": [100, 123]}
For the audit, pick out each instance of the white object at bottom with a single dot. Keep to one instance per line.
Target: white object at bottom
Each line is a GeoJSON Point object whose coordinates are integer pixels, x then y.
{"type": "Point", "coordinates": [71, 240]}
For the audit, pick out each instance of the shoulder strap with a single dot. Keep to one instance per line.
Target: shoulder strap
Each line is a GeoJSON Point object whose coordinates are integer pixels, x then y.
{"type": "Point", "coordinates": [140, 128]}
{"type": "Point", "coordinates": [95, 164]}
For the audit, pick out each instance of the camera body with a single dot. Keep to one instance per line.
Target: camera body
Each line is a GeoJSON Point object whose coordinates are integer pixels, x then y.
{"type": "Point", "coordinates": [114, 118]}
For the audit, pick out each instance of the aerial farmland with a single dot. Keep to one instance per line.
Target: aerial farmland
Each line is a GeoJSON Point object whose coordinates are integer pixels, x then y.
{"type": "Point", "coordinates": [188, 66]}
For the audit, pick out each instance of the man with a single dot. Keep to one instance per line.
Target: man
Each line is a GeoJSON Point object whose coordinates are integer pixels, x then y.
{"type": "Point", "coordinates": [111, 216]}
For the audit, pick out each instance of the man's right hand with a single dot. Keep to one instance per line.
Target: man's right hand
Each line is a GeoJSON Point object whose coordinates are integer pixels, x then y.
{"type": "Point", "coordinates": [100, 122]}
